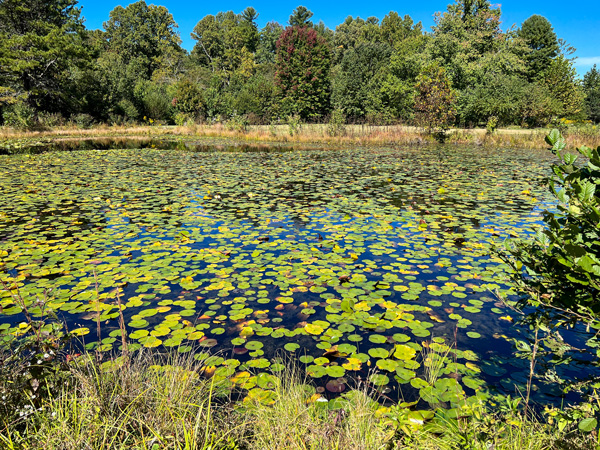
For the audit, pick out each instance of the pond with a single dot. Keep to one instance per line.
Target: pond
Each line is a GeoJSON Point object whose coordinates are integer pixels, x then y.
{"type": "Point", "coordinates": [354, 264]}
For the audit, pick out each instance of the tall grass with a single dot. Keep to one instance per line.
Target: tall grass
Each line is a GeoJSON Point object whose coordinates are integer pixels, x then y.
{"type": "Point", "coordinates": [355, 135]}
{"type": "Point", "coordinates": [152, 402]}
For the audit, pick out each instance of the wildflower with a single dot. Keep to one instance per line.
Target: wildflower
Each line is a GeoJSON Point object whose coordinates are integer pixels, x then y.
{"type": "Point", "coordinates": [46, 356]}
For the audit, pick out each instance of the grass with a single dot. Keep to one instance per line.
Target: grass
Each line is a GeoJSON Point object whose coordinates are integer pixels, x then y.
{"type": "Point", "coordinates": [165, 402]}
{"type": "Point", "coordinates": [354, 135]}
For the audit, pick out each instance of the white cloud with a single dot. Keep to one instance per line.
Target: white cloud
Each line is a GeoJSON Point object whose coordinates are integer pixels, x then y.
{"type": "Point", "coordinates": [587, 61]}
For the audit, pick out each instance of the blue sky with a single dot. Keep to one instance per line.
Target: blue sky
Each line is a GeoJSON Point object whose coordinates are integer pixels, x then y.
{"type": "Point", "coordinates": [578, 22]}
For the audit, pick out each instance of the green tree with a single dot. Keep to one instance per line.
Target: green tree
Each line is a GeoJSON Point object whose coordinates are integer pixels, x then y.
{"type": "Point", "coordinates": [434, 103]}
{"type": "Point", "coordinates": [469, 43]}
{"type": "Point", "coordinates": [267, 45]}
{"type": "Point", "coordinates": [561, 78]}
{"type": "Point", "coordinates": [223, 44]}
{"type": "Point", "coordinates": [356, 88]}
{"type": "Point", "coordinates": [41, 43]}
{"type": "Point", "coordinates": [142, 31]}
{"type": "Point", "coordinates": [591, 88]}
{"type": "Point", "coordinates": [353, 32]}
{"type": "Point", "coordinates": [540, 38]}
{"type": "Point", "coordinates": [300, 17]}
{"type": "Point", "coordinates": [511, 100]}
{"type": "Point", "coordinates": [249, 28]}
{"type": "Point", "coordinates": [395, 29]}
{"type": "Point", "coordinates": [302, 72]}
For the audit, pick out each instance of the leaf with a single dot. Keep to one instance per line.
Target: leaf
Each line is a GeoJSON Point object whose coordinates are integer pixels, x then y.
{"type": "Point", "coordinates": [588, 425]}
{"type": "Point", "coordinates": [404, 352]}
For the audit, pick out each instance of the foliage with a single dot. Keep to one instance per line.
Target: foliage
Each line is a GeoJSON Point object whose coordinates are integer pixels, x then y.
{"type": "Point", "coordinates": [301, 17]}
{"type": "Point", "coordinates": [469, 43]}
{"type": "Point", "coordinates": [336, 125]}
{"type": "Point", "coordinates": [267, 44]}
{"type": "Point", "coordinates": [128, 70]}
{"type": "Point", "coordinates": [154, 100]}
{"type": "Point", "coordinates": [294, 124]}
{"type": "Point", "coordinates": [353, 32]}
{"type": "Point", "coordinates": [395, 29]}
{"type": "Point", "coordinates": [40, 43]}
{"type": "Point", "coordinates": [32, 366]}
{"type": "Point", "coordinates": [237, 123]}
{"type": "Point", "coordinates": [591, 87]}
{"type": "Point", "coordinates": [562, 269]}
{"type": "Point", "coordinates": [508, 98]}
{"type": "Point", "coordinates": [561, 80]}
{"type": "Point", "coordinates": [225, 43]}
{"type": "Point", "coordinates": [434, 103]}
{"type": "Point", "coordinates": [188, 98]}
{"type": "Point", "coordinates": [357, 85]}
{"type": "Point", "coordinates": [540, 38]}
{"type": "Point", "coordinates": [559, 269]}
{"type": "Point", "coordinates": [20, 115]}
{"type": "Point", "coordinates": [142, 31]}
{"type": "Point", "coordinates": [302, 72]}
{"type": "Point", "coordinates": [256, 97]}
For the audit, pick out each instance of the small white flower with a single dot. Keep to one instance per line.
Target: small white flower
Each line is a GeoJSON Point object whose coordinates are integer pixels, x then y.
{"type": "Point", "coordinates": [46, 356]}
{"type": "Point", "coordinates": [53, 414]}
{"type": "Point", "coordinates": [51, 352]}
{"type": "Point", "coordinates": [39, 361]}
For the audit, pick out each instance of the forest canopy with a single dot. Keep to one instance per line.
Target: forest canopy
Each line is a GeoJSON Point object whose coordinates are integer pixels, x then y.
{"type": "Point", "coordinates": [377, 71]}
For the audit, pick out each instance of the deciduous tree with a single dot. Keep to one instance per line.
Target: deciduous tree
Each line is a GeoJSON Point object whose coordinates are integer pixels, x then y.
{"type": "Point", "coordinates": [302, 72]}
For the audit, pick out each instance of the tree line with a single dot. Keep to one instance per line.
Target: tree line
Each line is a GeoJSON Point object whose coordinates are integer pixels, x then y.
{"type": "Point", "coordinates": [467, 71]}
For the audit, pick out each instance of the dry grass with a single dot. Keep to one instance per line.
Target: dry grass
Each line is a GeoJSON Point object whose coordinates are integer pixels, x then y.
{"type": "Point", "coordinates": [354, 135]}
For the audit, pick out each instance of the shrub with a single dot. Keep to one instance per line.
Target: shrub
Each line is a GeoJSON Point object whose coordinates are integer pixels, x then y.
{"type": "Point", "coordinates": [50, 120]}
{"type": "Point", "coordinates": [294, 124]}
{"type": "Point", "coordinates": [337, 123]}
{"type": "Point", "coordinates": [237, 123]}
{"type": "Point", "coordinates": [20, 115]}
{"type": "Point", "coordinates": [559, 272]}
{"type": "Point", "coordinates": [82, 121]}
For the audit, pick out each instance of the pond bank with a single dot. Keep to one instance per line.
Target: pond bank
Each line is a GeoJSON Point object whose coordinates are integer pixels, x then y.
{"type": "Point", "coordinates": [348, 135]}
{"type": "Point", "coordinates": [146, 402]}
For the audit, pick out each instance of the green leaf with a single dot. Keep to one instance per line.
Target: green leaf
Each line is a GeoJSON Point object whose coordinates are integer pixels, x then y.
{"type": "Point", "coordinates": [588, 425]}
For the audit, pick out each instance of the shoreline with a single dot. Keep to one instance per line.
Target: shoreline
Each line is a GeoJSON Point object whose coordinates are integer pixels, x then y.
{"type": "Point", "coordinates": [311, 134]}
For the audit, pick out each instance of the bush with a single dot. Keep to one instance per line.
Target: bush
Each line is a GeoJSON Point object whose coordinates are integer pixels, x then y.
{"type": "Point", "coordinates": [337, 123]}
{"type": "Point", "coordinates": [183, 119]}
{"type": "Point", "coordinates": [127, 110]}
{"type": "Point", "coordinates": [82, 121]}
{"type": "Point", "coordinates": [188, 99]}
{"type": "Point", "coordinates": [559, 272]}
{"type": "Point", "coordinates": [294, 124]}
{"type": "Point", "coordinates": [20, 115]}
{"type": "Point", "coordinates": [237, 123]}
{"type": "Point", "coordinates": [50, 120]}
{"type": "Point", "coordinates": [32, 369]}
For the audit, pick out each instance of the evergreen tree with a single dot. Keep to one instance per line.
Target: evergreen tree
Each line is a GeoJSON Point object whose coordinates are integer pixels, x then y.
{"type": "Point", "coordinates": [301, 17]}
{"type": "Point", "coordinates": [41, 41]}
{"type": "Point", "coordinates": [591, 87]}
{"type": "Point", "coordinates": [540, 38]}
